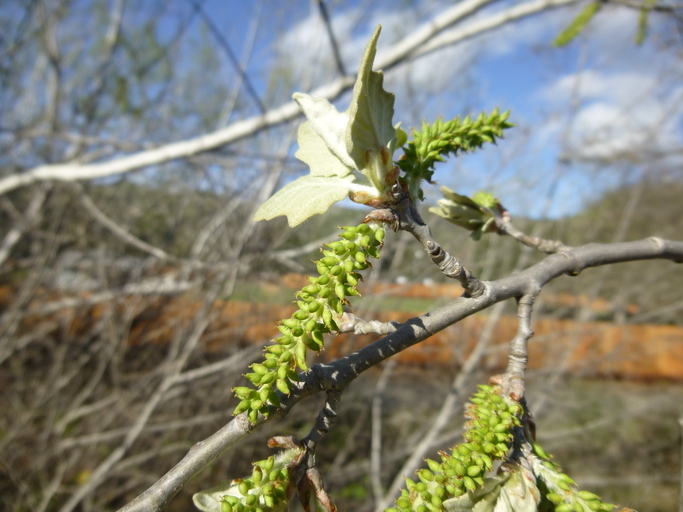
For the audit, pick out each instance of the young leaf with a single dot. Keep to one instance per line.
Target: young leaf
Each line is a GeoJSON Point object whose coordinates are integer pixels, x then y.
{"type": "Point", "coordinates": [314, 151]}
{"type": "Point", "coordinates": [577, 25]}
{"type": "Point", "coordinates": [328, 123]}
{"type": "Point", "coordinates": [371, 111]}
{"type": "Point", "coordinates": [305, 197]}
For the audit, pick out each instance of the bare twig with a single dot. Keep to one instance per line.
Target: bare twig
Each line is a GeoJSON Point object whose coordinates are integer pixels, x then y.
{"type": "Point", "coordinates": [505, 227]}
{"type": "Point", "coordinates": [410, 220]}
{"type": "Point", "coordinates": [323, 422]}
{"type": "Point", "coordinates": [376, 443]}
{"type": "Point", "coordinates": [513, 379]}
{"type": "Point", "coordinates": [330, 35]}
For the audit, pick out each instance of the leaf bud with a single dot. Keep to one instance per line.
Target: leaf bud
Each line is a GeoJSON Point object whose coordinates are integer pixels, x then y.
{"type": "Point", "coordinates": [469, 483]}
{"type": "Point", "coordinates": [244, 392]}
{"type": "Point", "coordinates": [290, 323]}
{"type": "Point", "coordinates": [352, 278]}
{"type": "Point", "coordinates": [254, 378]}
{"type": "Point", "coordinates": [253, 416]}
{"type": "Point", "coordinates": [463, 450]}
{"type": "Point", "coordinates": [329, 261]}
{"type": "Point", "coordinates": [433, 465]}
{"type": "Point", "coordinates": [282, 386]}
{"type": "Point", "coordinates": [373, 252]}
{"type": "Point", "coordinates": [349, 265]}
{"type": "Point", "coordinates": [473, 471]}
{"type": "Point", "coordinates": [317, 336]}
{"type": "Point", "coordinates": [273, 398]}
{"type": "Point", "coordinates": [339, 291]}
{"type": "Point", "coordinates": [312, 344]}
{"type": "Point", "coordinates": [564, 485]}
{"type": "Point", "coordinates": [301, 315]}
{"type": "Point", "coordinates": [267, 378]}
{"type": "Point", "coordinates": [403, 503]}
{"type": "Point", "coordinates": [350, 291]}
{"type": "Point", "coordinates": [275, 349]}
{"type": "Point", "coordinates": [300, 356]}
{"type": "Point", "coordinates": [259, 368]}
{"type": "Point", "coordinates": [587, 495]}
{"type": "Point", "coordinates": [241, 407]}
{"type": "Point", "coordinates": [363, 229]}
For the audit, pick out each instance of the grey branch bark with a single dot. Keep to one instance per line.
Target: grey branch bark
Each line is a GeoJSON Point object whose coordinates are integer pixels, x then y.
{"type": "Point", "coordinates": [337, 375]}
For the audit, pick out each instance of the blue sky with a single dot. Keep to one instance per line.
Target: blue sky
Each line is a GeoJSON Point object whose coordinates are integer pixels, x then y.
{"type": "Point", "coordinates": [595, 100]}
{"type": "Point", "coordinates": [588, 116]}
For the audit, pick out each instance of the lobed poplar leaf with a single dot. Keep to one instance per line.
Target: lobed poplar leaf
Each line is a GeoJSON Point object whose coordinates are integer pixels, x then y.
{"type": "Point", "coordinates": [210, 500]}
{"type": "Point", "coordinates": [305, 197]}
{"type": "Point", "coordinates": [316, 153]}
{"type": "Point", "coordinates": [334, 144]}
{"type": "Point", "coordinates": [481, 500]}
{"type": "Point", "coordinates": [328, 123]}
{"type": "Point", "coordinates": [519, 493]}
{"type": "Point", "coordinates": [371, 111]}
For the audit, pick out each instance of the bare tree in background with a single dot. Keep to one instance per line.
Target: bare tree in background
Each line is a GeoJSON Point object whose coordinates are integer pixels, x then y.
{"type": "Point", "coordinates": [130, 170]}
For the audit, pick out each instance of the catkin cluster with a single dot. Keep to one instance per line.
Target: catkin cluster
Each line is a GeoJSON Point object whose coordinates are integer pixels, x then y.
{"type": "Point", "coordinates": [561, 489]}
{"type": "Point", "coordinates": [488, 435]}
{"type": "Point", "coordinates": [265, 489]}
{"type": "Point", "coordinates": [441, 138]}
{"type": "Point", "coordinates": [319, 306]}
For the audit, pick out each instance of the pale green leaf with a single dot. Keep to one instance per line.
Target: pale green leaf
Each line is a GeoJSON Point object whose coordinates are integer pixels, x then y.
{"type": "Point", "coordinates": [209, 500]}
{"type": "Point", "coordinates": [328, 123]}
{"type": "Point", "coordinates": [314, 151]}
{"type": "Point", "coordinates": [481, 500]}
{"type": "Point", "coordinates": [371, 111]}
{"type": "Point", "coordinates": [520, 493]}
{"type": "Point", "coordinates": [305, 197]}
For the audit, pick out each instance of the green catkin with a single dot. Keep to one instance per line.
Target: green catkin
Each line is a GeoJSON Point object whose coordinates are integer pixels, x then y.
{"type": "Point", "coordinates": [319, 306]}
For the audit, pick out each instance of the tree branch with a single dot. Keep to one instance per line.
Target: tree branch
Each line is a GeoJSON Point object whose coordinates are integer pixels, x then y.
{"type": "Point", "coordinates": [337, 375]}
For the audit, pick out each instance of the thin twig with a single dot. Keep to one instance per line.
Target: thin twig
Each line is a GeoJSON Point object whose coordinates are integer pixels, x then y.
{"type": "Point", "coordinates": [330, 35]}
{"type": "Point", "coordinates": [410, 220]}
{"type": "Point", "coordinates": [376, 441]}
{"type": "Point", "coordinates": [513, 380]}
{"type": "Point", "coordinates": [505, 227]}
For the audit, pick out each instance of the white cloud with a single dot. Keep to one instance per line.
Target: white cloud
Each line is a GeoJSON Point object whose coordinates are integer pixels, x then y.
{"type": "Point", "coordinates": [618, 114]}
